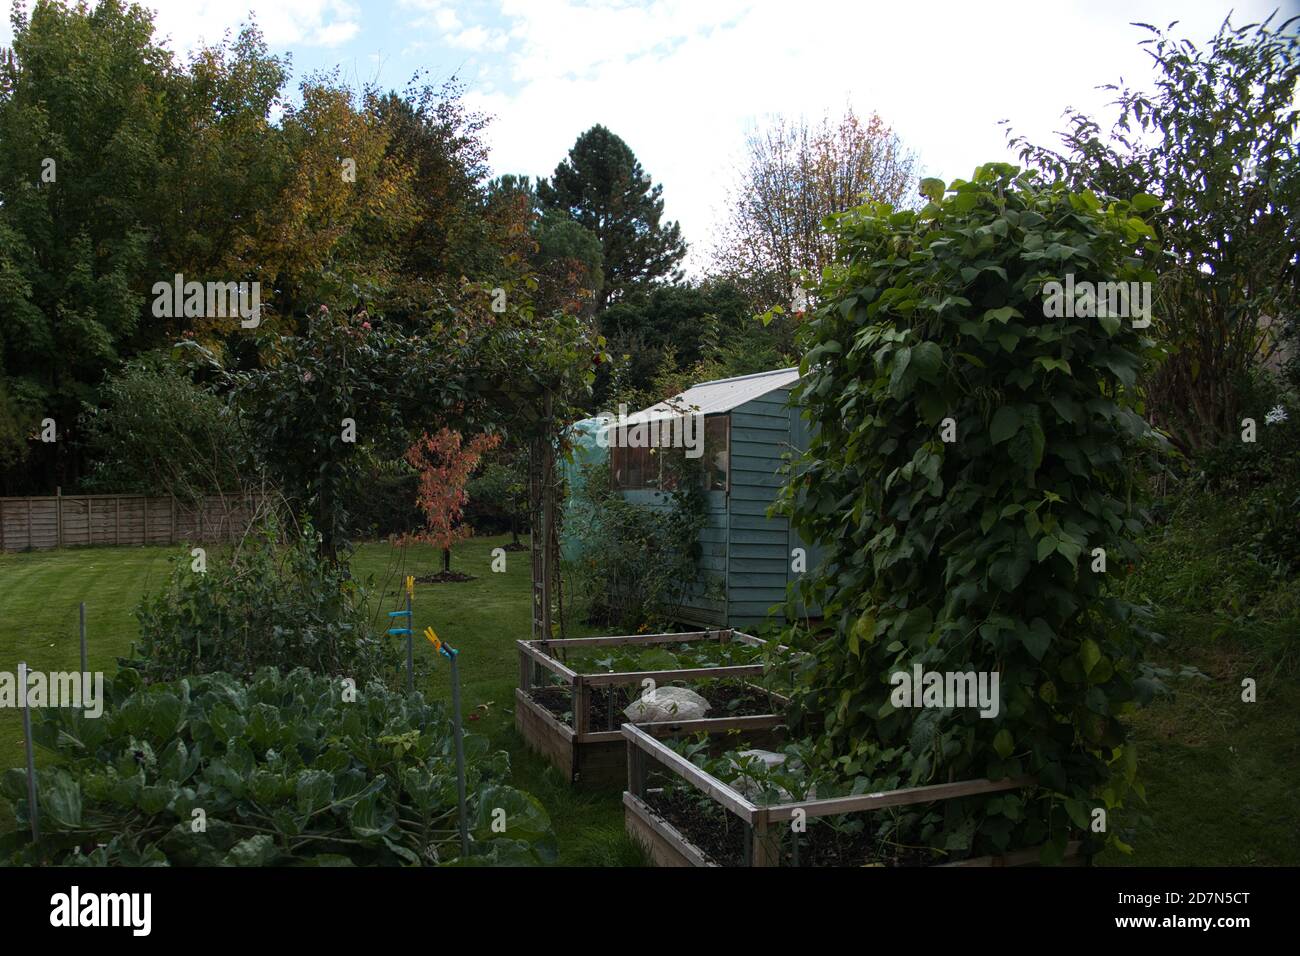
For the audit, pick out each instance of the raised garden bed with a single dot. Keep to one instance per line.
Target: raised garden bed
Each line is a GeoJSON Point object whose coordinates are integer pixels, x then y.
{"type": "Point", "coordinates": [674, 831]}
{"type": "Point", "coordinates": [572, 714]}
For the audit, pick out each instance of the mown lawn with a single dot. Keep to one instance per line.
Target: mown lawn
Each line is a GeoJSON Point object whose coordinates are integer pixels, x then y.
{"type": "Point", "coordinates": [40, 591]}
{"type": "Point", "coordinates": [1222, 777]}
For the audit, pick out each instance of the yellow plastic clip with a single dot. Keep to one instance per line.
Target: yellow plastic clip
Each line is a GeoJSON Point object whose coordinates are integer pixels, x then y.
{"type": "Point", "coordinates": [410, 586]}
{"type": "Point", "coordinates": [433, 638]}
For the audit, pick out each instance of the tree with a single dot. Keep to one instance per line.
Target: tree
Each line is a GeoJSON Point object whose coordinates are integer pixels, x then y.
{"type": "Point", "coordinates": [602, 187]}
{"type": "Point", "coordinates": [796, 174]}
{"type": "Point", "coordinates": [1217, 143]}
{"type": "Point", "coordinates": [563, 256]}
{"type": "Point", "coordinates": [439, 141]}
{"type": "Point", "coordinates": [334, 233]}
{"type": "Point", "coordinates": [82, 123]}
{"type": "Point", "coordinates": [445, 462]}
{"type": "Point", "coordinates": [500, 491]}
{"type": "Point", "coordinates": [346, 384]}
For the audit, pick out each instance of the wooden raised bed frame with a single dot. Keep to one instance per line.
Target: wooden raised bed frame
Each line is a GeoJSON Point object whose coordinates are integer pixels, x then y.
{"type": "Point", "coordinates": [596, 756]}
{"type": "Point", "coordinates": [667, 846]}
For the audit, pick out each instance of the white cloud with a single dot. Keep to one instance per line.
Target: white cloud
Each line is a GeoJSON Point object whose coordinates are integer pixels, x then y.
{"type": "Point", "coordinates": [479, 40]}
{"type": "Point", "coordinates": [190, 24]}
{"type": "Point", "coordinates": [682, 81]}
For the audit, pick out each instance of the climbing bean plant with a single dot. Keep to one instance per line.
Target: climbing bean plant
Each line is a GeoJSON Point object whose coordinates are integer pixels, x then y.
{"type": "Point", "coordinates": [970, 455]}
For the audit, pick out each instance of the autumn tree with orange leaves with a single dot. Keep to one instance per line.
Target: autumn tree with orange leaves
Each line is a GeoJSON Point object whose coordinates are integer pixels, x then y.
{"type": "Point", "coordinates": [445, 462]}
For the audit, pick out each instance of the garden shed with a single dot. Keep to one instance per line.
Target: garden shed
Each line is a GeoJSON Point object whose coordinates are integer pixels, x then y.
{"type": "Point", "coordinates": [747, 558]}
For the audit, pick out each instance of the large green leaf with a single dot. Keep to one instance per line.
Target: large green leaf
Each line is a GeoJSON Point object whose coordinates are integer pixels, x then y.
{"type": "Point", "coordinates": [1006, 422]}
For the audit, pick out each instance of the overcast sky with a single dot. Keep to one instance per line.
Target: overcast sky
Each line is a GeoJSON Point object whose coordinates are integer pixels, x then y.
{"type": "Point", "coordinates": [682, 81]}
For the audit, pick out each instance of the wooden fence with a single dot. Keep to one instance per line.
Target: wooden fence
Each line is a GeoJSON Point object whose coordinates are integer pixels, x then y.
{"type": "Point", "coordinates": [60, 521]}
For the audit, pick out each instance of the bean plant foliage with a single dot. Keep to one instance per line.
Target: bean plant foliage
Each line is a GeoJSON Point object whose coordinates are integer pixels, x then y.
{"type": "Point", "coordinates": [277, 770]}
{"type": "Point", "coordinates": [273, 601]}
{"type": "Point", "coordinates": [969, 454]}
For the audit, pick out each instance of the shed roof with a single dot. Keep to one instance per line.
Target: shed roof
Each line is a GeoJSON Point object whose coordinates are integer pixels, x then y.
{"type": "Point", "coordinates": [721, 395]}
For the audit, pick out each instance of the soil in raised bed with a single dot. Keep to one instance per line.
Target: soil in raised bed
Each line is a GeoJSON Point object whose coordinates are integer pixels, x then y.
{"type": "Point", "coordinates": [558, 700]}
{"type": "Point", "coordinates": [748, 702]}
{"type": "Point", "coordinates": [721, 836]}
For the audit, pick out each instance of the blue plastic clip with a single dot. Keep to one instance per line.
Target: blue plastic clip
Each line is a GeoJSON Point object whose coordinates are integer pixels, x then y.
{"type": "Point", "coordinates": [399, 630]}
{"type": "Point", "coordinates": [399, 613]}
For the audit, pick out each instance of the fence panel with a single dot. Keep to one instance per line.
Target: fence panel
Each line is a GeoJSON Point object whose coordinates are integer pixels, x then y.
{"type": "Point", "coordinates": [41, 522]}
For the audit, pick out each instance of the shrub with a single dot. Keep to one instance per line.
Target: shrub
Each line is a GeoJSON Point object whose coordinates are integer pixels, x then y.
{"type": "Point", "coordinates": [274, 601]}
{"type": "Point", "coordinates": [969, 456]}
{"type": "Point", "coordinates": [280, 770]}
{"type": "Point", "coordinates": [158, 432]}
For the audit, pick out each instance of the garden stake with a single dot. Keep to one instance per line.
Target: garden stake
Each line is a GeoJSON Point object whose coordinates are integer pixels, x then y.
{"type": "Point", "coordinates": [83, 639]}
{"type": "Point", "coordinates": [451, 654]}
{"type": "Point", "coordinates": [460, 753]}
{"type": "Point", "coordinates": [410, 639]}
{"type": "Point", "coordinates": [33, 811]}
{"type": "Point", "coordinates": [410, 647]}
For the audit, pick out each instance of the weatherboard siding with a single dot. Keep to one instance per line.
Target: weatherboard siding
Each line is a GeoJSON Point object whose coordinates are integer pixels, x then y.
{"type": "Point", "coordinates": [758, 565]}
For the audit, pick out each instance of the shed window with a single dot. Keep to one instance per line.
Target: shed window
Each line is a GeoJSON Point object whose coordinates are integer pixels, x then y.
{"type": "Point", "coordinates": [641, 469]}
{"type": "Point", "coordinates": [634, 469]}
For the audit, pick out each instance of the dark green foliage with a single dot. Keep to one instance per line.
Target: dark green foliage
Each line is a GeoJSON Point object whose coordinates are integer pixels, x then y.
{"type": "Point", "coordinates": [433, 134]}
{"type": "Point", "coordinates": [285, 770]}
{"type": "Point", "coordinates": [273, 602]}
{"type": "Point", "coordinates": [672, 336]}
{"type": "Point", "coordinates": [388, 505]}
{"type": "Point", "coordinates": [498, 496]}
{"type": "Point", "coordinates": [977, 554]}
{"type": "Point", "coordinates": [602, 187]}
{"type": "Point", "coordinates": [73, 251]}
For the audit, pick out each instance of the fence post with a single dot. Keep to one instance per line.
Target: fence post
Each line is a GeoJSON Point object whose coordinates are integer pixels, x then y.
{"type": "Point", "coordinates": [90, 520]}
{"type": "Point", "coordinates": [58, 516]}
{"type": "Point", "coordinates": [173, 514]}
{"type": "Point", "coordinates": [84, 669]}
{"type": "Point", "coordinates": [30, 546]}
{"type": "Point", "coordinates": [117, 521]}
{"type": "Point", "coordinates": [33, 810]}
{"type": "Point", "coordinates": [144, 537]}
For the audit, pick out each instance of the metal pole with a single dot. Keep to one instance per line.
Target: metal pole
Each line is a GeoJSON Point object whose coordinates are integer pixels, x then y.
{"type": "Point", "coordinates": [460, 754]}
{"type": "Point", "coordinates": [410, 647]}
{"type": "Point", "coordinates": [84, 668]}
{"type": "Point", "coordinates": [33, 811]}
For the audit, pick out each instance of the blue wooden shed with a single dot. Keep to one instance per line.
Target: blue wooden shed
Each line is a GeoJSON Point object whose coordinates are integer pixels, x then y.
{"type": "Point", "coordinates": [748, 558]}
